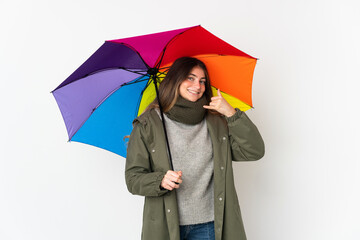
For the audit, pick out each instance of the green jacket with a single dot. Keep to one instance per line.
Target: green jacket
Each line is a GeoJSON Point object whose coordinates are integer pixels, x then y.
{"type": "Point", "coordinates": [234, 139]}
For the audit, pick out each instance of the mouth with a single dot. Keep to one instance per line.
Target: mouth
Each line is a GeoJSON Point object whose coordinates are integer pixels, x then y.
{"type": "Point", "coordinates": [193, 92]}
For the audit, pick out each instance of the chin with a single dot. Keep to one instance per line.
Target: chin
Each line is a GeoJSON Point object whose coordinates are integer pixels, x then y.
{"type": "Point", "coordinates": [192, 99]}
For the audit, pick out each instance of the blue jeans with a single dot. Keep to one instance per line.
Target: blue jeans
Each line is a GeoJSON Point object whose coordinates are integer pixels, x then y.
{"type": "Point", "coordinates": [202, 231]}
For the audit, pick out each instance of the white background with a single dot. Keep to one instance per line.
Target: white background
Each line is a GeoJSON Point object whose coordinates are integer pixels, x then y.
{"type": "Point", "coordinates": [305, 93]}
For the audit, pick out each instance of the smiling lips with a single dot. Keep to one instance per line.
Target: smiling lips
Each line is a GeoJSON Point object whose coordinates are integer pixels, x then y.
{"type": "Point", "coordinates": [194, 92]}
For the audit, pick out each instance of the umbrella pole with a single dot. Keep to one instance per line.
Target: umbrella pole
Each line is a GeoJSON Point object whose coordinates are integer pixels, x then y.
{"type": "Point", "coordinates": [163, 121]}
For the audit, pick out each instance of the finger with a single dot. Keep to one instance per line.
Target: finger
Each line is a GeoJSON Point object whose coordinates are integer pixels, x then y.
{"type": "Point", "coordinates": [219, 93]}
{"type": "Point", "coordinates": [173, 185]}
{"type": "Point", "coordinates": [168, 187]}
{"type": "Point", "coordinates": [179, 180]}
{"type": "Point", "coordinates": [214, 104]}
{"type": "Point", "coordinates": [215, 98]}
{"type": "Point", "coordinates": [208, 107]}
{"type": "Point", "coordinates": [172, 173]}
{"type": "Point", "coordinates": [175, 174]}
{"type": "Point", "coordinates": [174, 179]}
{"type": "Point", "coordinates": [165, 185]}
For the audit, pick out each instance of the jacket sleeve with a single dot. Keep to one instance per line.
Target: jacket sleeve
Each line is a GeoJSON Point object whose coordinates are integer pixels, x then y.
{"type": "Point", "coordinates": [139, 177]}
{"type": "Point", "coordinates": [245, 139]}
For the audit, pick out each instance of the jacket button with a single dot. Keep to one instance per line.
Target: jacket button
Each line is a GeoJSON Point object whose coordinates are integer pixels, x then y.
{"type": "Point", "coordinates": [153, 150]}
{"type": "Point", "coordinates": [224, 138]}
{"type": "Point", "coordinates": [222, 168]}
{"type": "Point", "coordinates": [168, 210]}
{"type": "Point", "coordinates": [220, 199]}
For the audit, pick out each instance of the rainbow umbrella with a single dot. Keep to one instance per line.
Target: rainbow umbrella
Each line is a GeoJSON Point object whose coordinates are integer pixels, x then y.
{"type": "Point", "coordinates": [99, 101]}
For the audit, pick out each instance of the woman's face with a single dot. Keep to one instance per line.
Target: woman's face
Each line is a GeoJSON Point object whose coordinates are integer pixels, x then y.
{"type": "Point", "coordinates": [193, 87]}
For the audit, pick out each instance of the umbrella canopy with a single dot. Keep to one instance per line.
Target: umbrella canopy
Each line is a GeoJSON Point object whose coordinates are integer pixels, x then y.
{"type": "Point", "coordinates": [101, 98]}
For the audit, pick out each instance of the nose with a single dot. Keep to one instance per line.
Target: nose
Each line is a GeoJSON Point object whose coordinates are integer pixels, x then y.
{"type": "Point", "coordinates": [196, 84]}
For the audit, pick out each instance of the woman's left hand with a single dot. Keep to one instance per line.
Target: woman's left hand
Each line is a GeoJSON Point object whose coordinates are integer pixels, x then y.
{"type": "Point", "coordinates": [219, 104]}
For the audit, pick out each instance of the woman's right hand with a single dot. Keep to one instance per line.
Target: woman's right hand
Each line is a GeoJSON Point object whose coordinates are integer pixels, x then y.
{"type": "Point", "coordinates": [171, 180]}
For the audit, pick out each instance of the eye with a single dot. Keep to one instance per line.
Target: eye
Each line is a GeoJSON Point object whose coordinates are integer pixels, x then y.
{"type": "Point", "coordinates": [202, 81]}
{"type": "Point", "coordinates": [191, 78]}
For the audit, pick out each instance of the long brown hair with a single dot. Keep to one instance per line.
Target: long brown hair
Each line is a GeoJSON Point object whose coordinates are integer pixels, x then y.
{"type": "Point", "coordinates": [178, 72]}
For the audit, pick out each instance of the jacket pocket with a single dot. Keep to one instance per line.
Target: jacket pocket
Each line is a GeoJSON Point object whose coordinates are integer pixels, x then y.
{"type": "Point", "coordinates": [154, 219]}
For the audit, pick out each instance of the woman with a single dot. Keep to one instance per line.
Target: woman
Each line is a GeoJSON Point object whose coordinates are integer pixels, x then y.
{"type": "Point", "coordinates": [205, 135]}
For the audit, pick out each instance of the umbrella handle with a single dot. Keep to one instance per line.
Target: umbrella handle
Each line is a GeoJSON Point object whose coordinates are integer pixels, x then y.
{"type": "Point", "coordinates": [162, 120]}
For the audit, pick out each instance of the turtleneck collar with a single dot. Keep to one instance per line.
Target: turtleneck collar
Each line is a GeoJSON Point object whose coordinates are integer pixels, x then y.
{"type": "Point", "coordinates": [188, 112]}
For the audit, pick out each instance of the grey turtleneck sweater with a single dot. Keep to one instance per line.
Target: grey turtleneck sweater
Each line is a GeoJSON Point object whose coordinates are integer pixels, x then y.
{"type": "Point", "coordinates": [192, 153]}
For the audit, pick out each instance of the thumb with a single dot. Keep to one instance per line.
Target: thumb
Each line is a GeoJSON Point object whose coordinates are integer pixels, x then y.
{"type": "Point", "coordinates": [219, 92]}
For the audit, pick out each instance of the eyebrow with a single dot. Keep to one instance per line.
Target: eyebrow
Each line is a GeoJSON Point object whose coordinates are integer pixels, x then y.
{"type": "Point", "coordinates": [196, 76]}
